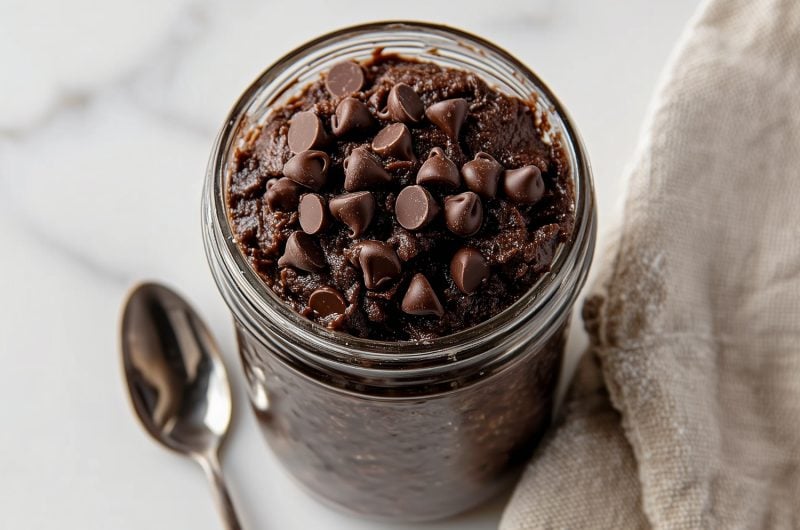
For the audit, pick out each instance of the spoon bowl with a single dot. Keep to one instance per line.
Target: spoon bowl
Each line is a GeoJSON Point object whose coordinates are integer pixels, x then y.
{"type": "Point", "coordinates": [176, 379]}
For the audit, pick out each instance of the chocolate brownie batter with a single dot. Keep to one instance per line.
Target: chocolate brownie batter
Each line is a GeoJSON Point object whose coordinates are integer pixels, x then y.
{"type": "Point", "coordinates": [400, 200]}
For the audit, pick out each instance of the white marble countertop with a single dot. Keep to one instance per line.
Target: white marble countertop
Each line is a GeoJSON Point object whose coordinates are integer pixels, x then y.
{"type": "Point", "coordinates": [107, 115]}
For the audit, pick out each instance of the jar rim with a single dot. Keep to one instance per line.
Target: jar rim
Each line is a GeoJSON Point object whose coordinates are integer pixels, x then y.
{"type": "Point", "coordinates": [342, 347]}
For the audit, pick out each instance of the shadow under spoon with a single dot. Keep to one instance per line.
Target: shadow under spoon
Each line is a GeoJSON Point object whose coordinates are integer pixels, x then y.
{"type": "Point", "coordinates": [177, 382]}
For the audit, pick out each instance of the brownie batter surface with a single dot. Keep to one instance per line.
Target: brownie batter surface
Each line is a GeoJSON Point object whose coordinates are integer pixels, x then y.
{"type": "Point", "coordinates": [322, 270]}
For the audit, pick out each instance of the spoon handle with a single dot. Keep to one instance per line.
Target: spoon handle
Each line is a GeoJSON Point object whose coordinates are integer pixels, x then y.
{"type": "Point", "coordinates": [210, 464]}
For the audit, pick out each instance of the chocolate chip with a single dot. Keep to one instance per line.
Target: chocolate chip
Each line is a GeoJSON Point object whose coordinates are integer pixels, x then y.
{"type": "Point", "coordinates": [463, 213]}
{"type": "Point", "coordinates": [438, 169]}
{"type": "Point", "coordinates": [351, 116]}
{"type": "Point", "coordinates": [394, 140]}
{"type": "Point", "coordinates": [524, 185]}
{"type": "Point", "coordinates": [403, 104]}
{"type": "Point", "coordinates": [282, 194]}
{"type": "Point", "coordinates": [355, 210]}
{"type": "Point", "coordinates": [308, 168]}
{"type": "Point", "coordinates": [449, 115]}
{"type": "Point", "coordinates": [378, 263]}
{"type": "Point", "coordinates": [327, 301]}
{"type": "Point", "coordinates": [306, 132]}
{"type": "Point", "coordinates": [344, 78]}
{"type": "Point", "coordinates": [420, 298]}
{"type": "Point", "coordinates": [313, 213]}
{"type": "Point", "coordinates": [481, 174]}
{"type": "Point", "coordinates": [469, 269]}
{"type": "Point", "coordinates": [362, 171]}
{"type": "Point", "coordinates": [415, 207]}
{"type": "Point", "coordinates": [302, 252]}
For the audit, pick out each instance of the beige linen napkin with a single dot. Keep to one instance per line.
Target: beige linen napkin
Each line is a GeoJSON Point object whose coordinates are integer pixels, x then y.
{"type": "Point", "coordinates": [686, 411]}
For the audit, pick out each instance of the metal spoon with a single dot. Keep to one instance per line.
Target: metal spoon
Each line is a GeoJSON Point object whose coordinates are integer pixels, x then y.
{"type": "Point", "coordinates": [177, 382]}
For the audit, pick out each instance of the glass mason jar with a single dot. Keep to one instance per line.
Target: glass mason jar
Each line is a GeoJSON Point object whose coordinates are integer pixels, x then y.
{"type": "Point", "coordinates": [400, 430]}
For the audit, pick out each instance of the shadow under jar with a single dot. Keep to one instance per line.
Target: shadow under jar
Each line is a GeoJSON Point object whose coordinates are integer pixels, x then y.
{"type": "Point", "coordinates": [400, 430]}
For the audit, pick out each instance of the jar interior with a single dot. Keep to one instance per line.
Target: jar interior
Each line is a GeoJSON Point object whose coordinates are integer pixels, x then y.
{"type": "Point", "coordinates": [442, 46]}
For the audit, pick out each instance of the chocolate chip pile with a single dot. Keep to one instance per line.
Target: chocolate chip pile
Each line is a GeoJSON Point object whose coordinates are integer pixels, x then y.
{"type": "Point", "coordinates": [399, 200]}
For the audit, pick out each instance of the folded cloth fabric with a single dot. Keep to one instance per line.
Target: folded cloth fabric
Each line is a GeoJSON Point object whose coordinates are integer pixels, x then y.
{"type": "Point", "coordinates": [685, 413]}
